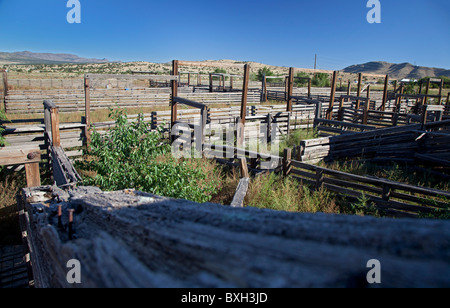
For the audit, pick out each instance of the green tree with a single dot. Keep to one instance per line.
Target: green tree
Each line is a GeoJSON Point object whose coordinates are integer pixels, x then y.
{"type": "Point", "coordinates": [132, 156]}
{"type": "Point", "coordinates": [410, 88]}
{"type": "Point", "coordinates": [219, 71]}
{"type": "Point", "coordinates": [321, 80]}
{"type": "Point", "coordinates": [301, 82]}
{"type": "Point", "coordinates": [264, 71]}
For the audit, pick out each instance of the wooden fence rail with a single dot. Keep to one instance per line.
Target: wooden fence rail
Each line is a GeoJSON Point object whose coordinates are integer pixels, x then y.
{"type": "Point", "coordinates": [395, 198]}
{"type": "Point", "coordinates": [397, 143]}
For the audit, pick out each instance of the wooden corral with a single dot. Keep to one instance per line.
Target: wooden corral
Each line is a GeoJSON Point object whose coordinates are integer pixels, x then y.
{"type": "Point", "coordinates": [134, 239]}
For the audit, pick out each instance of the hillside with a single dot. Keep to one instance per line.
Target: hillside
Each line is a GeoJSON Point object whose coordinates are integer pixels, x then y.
{"type": "Point", "coordinates": [397, 71]}
{"type": "Point", "coordinates": [27, 57]}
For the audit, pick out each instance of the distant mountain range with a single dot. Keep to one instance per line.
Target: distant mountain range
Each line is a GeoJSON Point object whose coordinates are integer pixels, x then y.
{"type": "Point", "coordinates": [397, 71]}
{"type": "Point", "coordinates": [27, 57]}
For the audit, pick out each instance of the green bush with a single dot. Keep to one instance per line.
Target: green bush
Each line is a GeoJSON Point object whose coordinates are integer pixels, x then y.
{"type": "Point", "coordinates": [301, 82]}
{"type": "Point", "coordinates": [263, 71]}
{"type": "Point", "coordinates": [321, 80]}
{"type": "Point", "coordinates": [130, 156]}
{"type": "Point", "coordinates": [2, 118]}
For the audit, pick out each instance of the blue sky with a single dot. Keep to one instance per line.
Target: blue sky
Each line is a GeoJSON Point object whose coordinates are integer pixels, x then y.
{"type": "Point", "coordinates": [283, 32]}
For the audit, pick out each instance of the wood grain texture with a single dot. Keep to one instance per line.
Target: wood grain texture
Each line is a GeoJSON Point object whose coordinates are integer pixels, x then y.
{"type": "Point", "coordinates": [133, 239]}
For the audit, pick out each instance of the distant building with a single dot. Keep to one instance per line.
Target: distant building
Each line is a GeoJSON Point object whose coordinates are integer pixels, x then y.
{"type": "Point", "coordinates": [408, 80]}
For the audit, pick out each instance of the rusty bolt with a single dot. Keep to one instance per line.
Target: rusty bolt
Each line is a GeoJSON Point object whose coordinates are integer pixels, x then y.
{"type": "Point", "coordinates": [71, 215]}
{"type": "Point", "coordinates": [32, 155]}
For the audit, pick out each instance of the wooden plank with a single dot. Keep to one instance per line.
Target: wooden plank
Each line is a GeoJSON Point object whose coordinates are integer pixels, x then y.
{"type": "Point", "coordinates": [87, 110]}
{"type": "Point", "coordinates": [243, 168]}
{"type": "Point", "coordinates": [63, 171]}
{"type": "Point", "coordinates": [56, 138]}
{"type": "Point", "coordinates": [287, 156]}
{"type": "Point", "coordinates": [241, 192]}
{"type": "Point", "coordinates": [245, 93]}
{"type": "Point", "coordinates": [189, 102]}
{"type": "Point", "coordinates": [290, 87]}
{"type": "Point", "coordinates": [174, 93]}
{"type": "Point", "coordinates": [19, 155]}
{"type": "Point", "coordinates": [33, 175]}
{"type": "Point", "coordinates": [346, 124]}
{"type": "Point", "coordinates": [117, 242]}
{"type": "Point", "coordinates": [358, 92]}
{"type": "Point", "coordinates": [385, 93]}
{"type": "Point", "coordinates": [332, 96]}
{"type": "Point", "coordinates": [434, 160]}
{"type": "Point", "coordinates": [375, 181]}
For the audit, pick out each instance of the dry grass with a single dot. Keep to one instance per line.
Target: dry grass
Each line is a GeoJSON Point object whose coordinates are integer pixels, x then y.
{"type": "Point", "coordinates": [277, 193]}
{"type": "Point", "coordinates": [9, 220]}
{"type": "Point", "coordinates": [286, 194]}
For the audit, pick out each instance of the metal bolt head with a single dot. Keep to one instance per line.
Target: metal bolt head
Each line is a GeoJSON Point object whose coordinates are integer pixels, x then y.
{"type": "Point", "coordinates": [32, 155]}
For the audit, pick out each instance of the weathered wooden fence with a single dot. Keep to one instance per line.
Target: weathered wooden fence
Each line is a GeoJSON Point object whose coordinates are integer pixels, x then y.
{"type": "Point", "coordinates": [395, 143]}
{"type": "Point", "coordinates": [393, 198]}
{"type": "Point", "coordinates": [132, 239]}
{"type": "Point", "coordinates": [62, 169]}
{"type": "Point", "coordinates": [74, 101]}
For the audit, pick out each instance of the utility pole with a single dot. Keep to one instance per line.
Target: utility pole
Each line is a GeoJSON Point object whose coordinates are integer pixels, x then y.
{"type": "Point", "coordinates": [315, 64]}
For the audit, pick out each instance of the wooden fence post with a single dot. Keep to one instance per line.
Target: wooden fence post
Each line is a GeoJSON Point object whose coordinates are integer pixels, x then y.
{"type": "Point", "coordinates": [319, 178]}
{"type": "Point", "coordinates": [264, 89]}
{"type": "Point", "coordinates": [87, 110]}
{"type": "Point", "coordinates": [318, 113]}
{"type": "Point", "coordinates": [245, 93]}
{"type": "Point", "coordinates": [243, 167]}
{"type": "Point", "coordinates": [366, 112]}
{"type": "Point", "coordinates": [441, 86]}
{"type": "Point", "coordinates": [309, 87]}
{"type": "Point", "coordinates": [154, 124]}
{"type": "Point", "coordinates": [210, 83]}
{"type": "Point", "coordinates": [332, 96]}
{"type": "Point", "coordinates": [287, 157]}
{"type": "Point", "coordinates": [358, 102]}
{"type": "Point", "coordinates": [386, 192]}
{"type": "Point", "coordinates": [341, 109]}
{"type": "Point", "coordinates": [239, 132]}
{"type": "Point", "coordinates": [290, 89]}
{"type": "Point", "coordinates": [203, 120]}
{"type": "Point", "coordinates": [174, 93]}
{"type": "Point", "coordinates": [427, 91]}
{"type": "Point", "coordinates": [56, 138]}
{"type": "Point", "coordinates": [424, 116]}
{"type": "Point", "coordinates": [349, 89]}
{"type": "Point", "coordinates": [33, 175]}
{"type": "Point", "coordinates": [5, 88]}
{"type": "Point", "coordinates": [385, 93]}
{"type": "Point", "coordinates": [269, 128]}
